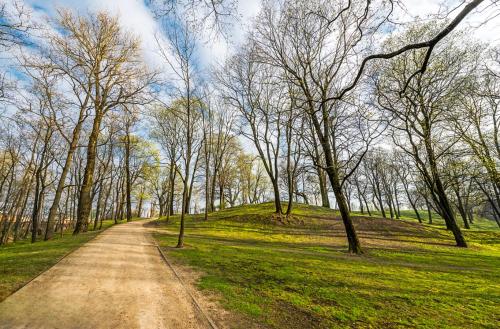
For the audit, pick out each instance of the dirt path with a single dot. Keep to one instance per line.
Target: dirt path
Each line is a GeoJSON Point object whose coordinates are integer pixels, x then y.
{"type": "Point", "coordinates": [117, 280]}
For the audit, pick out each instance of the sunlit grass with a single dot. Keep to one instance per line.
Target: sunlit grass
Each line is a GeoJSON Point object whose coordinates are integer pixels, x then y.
{"type": "Point", "coordinates": [298, 275]}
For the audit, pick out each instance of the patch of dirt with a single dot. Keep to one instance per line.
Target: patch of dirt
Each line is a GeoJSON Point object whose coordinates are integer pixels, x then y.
{"type": "Point", "coordinates": [288, 316]}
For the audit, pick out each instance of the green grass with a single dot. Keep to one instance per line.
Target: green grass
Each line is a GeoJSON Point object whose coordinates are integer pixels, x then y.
{"type": "Point", "coordinates": [22, 261]}
{"type": "Point", "coordinates": [298, 275]}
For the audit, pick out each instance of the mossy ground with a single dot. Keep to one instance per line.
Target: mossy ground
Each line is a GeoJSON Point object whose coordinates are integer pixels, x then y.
{"type": "Point", "coordinates": [297, 274]}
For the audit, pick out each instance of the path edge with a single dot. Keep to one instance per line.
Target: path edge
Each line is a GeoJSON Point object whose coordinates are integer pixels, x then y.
{"type": "Point", "coordinates": [58, 261]}
{"type": "Point", "coordinates": [197, 305]}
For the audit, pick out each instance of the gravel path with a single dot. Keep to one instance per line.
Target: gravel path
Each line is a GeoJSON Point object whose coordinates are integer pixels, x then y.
{"type": "Point", "coordinates": [117, 280]}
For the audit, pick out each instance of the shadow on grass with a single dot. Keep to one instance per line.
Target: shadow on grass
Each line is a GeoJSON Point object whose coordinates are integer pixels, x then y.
{"type": "Point", "coordinates": [300, 276]}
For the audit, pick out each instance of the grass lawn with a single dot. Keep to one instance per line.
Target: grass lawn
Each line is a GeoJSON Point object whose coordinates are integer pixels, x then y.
{"type": "Point", "coordinates": [298, 275]}
{"type": "Point", "coordinates": [22, 261]}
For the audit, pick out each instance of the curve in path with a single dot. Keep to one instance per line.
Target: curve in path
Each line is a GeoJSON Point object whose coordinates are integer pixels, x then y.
{"type": "Point", "coordinates": [117, 280]}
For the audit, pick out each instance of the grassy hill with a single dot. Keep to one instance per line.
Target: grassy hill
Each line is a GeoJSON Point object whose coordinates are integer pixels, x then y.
{"type": "Point", "coordinates": [438, 221]}
{"type": "Point", "coordinates": [298, 274]}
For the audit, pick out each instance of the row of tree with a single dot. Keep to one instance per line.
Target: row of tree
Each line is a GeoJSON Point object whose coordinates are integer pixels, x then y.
{"type": "Point", "coordinates": [419, 131]}
{"type": "Point", "coordinates": [73, 151]}
{"type": "Point", "coordinates": [292, 81]}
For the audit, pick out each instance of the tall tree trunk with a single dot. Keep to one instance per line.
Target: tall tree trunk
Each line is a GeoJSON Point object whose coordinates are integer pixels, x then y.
{"type": "Point", "coordinates": [333, 175]}
{"type": "Point", "coordinates": [221, 197]}
{"type": "Point", "coordinates": [39, 188]}
{"type": "Point", "coordinates": [352, 237]}
{"type": "Point", "coordinates": [277, 201]}
{"type": "Point", "coordinates": [212, 189]}
{"type": "Point", "coordinates": [172, 176]}
{"type": "Point", "coordinates": [378, 196]}
{"type": "Point", "coordinates": [325, 201]}
{"type": "Point", "coordinates": [84, 201]}
{"type": "Point", "coordinates": [396, 202]}
{"type": "Point", "coordinates": [461, 208]}
{"type": "Point", "coordinates": [439, 194]}
{"type": "Point", "coordinates": [207, 193]}
{"type": "Point", "coordinates": [470, 215]}
{"type": "Point", "coordinates": [447, 213]}
{"type": "Point", "coordinates": [128, 184]}
{"type": "Point", "coordinates": [139, 206]}
{"type": "Point", "coordinates": [412, 204]}
{"type": "Point", "coordinates": [180, 241]}
{"type": "Point", "coordinates": [390, 204]}
{"type": "Point", "coordinates": [62, 180]}
{"type": "Point", "coordinates": [36, 207]}
{"type": "Point", "coordinates": [98, 210]}
{"type": "Point", "coordinates": [416, 212]}
{"type": "Point", "coordinates": [429, 210]}
{"type": "Point", "coordinates": [20, 215]}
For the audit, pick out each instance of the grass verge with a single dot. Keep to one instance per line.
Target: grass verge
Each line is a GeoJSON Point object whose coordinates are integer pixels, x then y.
{"type": "Point", "coordinates": [22, 261]}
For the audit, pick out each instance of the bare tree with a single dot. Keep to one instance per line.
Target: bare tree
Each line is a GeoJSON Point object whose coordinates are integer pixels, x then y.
{"type": "Point", "coordinates": [187, 108]}
{"type": "Point", "coordinates": [418, 115]}
{"type": "Point", "coordinates": [476, 118]}
{"type": "Point", "coordinates": [287, 36]}
{"type": "Point", "coordinates": [110, 66]}
{"type": "Point", "coordinates": [255, 90]}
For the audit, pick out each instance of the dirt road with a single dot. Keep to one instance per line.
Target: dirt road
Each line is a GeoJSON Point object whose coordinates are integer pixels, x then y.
{"type": "Point", "coordinates": [117, 280]}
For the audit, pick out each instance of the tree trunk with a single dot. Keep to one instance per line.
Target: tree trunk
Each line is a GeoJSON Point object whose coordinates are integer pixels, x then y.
{"type": "Point", "coordinates": [447, 213]}
{"type": "Point", "coordinates": [212, 189]}
{"type": "Point", "coordinates": [416, 212]}
{"type": "Point", "coordinates": [396, 201]}
{"type": "Point", "coordinates": [37, 203]}
{"type": "Point", "coordinates": [470, 215]}
{"type": "Point", "coordinates": [325, 201]}
{"type": "Point", "coordinates": [461, 208]}
{"type": "Point", "coordinates": [277, 201]}
{"type": "Point", "coordinates": [429, 210]}
{"type": "Point", "coordinates": [381, 204]}
{"type": "Point", "coordinates": [391, 210]}
{"type": "Point", "coordinates": [36, 207]}
{"type": "Point", "coordinates": [207, 192]}
{"type": "Point", "coordinates": [139, 206]}
{"type": "Point", "coordinates": [352, 237]}
{"type": "Point", "coordinates": [172, 175]}
{"type": "Point", "coordinates": [439, 194]}
{"type": "Point", "coordinates": [99, 205]}
{"type": "Point", "coordinates": [62, 180]}
{"type": "Point", "coordinates": [180, 241]}
{"type": "Point", "coordinates": [84, 201]}
{"type": "Point", "coordinates": [128, 184]}
{"type": "Point", "coordinates": [221, 197]}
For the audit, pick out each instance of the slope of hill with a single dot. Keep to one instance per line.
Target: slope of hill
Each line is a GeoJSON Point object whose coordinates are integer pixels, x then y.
{"type": "Point", "coordinates": [298, 274]}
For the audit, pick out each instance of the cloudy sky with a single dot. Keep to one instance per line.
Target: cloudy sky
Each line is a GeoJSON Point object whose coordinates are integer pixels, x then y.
{"type": "Point", "coordinates": [136, 16]}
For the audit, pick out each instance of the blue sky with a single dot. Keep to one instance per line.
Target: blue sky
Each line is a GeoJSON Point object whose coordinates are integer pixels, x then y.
{"type": "Point", "coordinates": [136, 17]}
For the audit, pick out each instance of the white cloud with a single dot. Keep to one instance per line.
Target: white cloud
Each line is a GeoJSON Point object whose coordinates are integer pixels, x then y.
{"type": "Point", "coordinates": [216, 50]}
{"type": "Point", "coordinates": [134, 17]}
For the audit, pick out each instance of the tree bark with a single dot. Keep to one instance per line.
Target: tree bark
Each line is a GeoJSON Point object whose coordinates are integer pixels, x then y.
{"type": "Point", "coordinates": [84, 201]}
{"type": "Point", "coordinates": [128, 183]}
{"type": "Point", "coordinates": [62, 180]}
